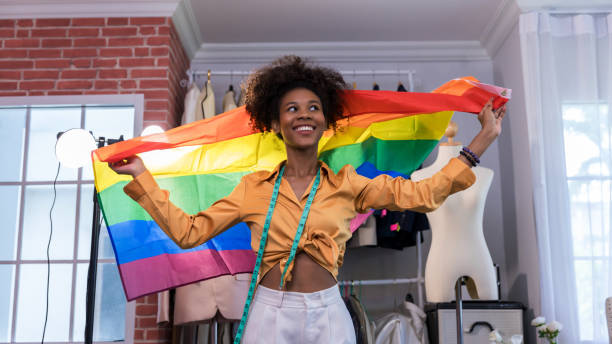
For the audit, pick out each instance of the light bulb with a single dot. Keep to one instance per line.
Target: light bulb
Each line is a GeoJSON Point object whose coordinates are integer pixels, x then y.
{"type": "Point", "coordinates": [152, 129]}
{"type": "Point", "coordinates": [73, 148]}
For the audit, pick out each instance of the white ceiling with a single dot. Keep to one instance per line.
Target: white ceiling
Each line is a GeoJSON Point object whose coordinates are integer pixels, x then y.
{"type": "Point", "coordinates": [232, 21]}
{"type": "Point", "coordinates": [420, 29]}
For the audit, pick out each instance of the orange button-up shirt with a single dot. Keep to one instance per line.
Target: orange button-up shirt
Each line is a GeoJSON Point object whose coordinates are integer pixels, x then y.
{"type": "Point", "coordinates": [337, 200]}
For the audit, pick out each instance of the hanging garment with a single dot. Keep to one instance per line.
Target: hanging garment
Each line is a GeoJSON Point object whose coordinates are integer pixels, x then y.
{"type": "Point", "coordinates": [225, 333]}
{"type": "Point", "coordinates": [203, 334]}
{"type": "Point", "coordinates": [229, 99]}
{"type": "Point", "coordinates": [398, 229]}
{"type": "Point", "coordinates": [163, 308]}
{"type": "Point", "coordinates": [366, 327]}
{"type": "Point", "coordinates": [365, 235]}
{"type": "Point", "coordinates": [359, 335]}
{"type": "Point", "coordinates": [205, 107]}
{"type": "Point", "coordinates": [190, 334]}
{"type": "Point", "coordinates": [405, 327]}
{"type": "Point", "coordinates": [202, 300]}
{"type": "Point", "coordinates": [191, 101]}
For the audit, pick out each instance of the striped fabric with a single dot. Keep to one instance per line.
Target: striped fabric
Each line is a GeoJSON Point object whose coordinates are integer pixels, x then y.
{"type": "Point", "coordinates": [199, 163]}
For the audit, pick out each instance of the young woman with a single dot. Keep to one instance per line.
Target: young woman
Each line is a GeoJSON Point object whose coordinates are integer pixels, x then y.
{"type": "Point", "coordinates": [297, 300]}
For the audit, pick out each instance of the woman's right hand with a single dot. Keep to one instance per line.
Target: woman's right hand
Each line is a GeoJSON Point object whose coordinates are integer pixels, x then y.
{"type": "Point", "coordinates": [132, 165]}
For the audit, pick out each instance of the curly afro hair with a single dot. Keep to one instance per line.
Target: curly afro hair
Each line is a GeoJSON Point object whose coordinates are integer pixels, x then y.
{"type": "Point", "coordinates": [266, 86]}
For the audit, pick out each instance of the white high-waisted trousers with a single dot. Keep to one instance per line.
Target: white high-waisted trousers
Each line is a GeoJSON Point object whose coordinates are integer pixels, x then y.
{"type": "Point", "coordinates": [278, 317]}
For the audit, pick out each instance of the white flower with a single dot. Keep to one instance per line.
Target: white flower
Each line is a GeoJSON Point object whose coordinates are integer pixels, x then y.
{"type": "Point", "coordinates": [494, 336]}
{"type": "Point", "coordinates": [516, 339]}
{"type": "Point", "coordinates": [538, 321]}
{"type": "Point", "coordinates": [554, 326]}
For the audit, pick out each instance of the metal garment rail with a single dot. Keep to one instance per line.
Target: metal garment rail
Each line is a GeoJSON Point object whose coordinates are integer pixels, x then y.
{"type": "Point", "coordinates": [419, 280]}
{"type": "Point", "coordinates": [347, 73]}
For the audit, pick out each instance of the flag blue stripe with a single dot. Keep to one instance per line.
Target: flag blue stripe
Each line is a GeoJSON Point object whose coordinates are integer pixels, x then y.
{"type": "Point", "coordinates": [139, 239]}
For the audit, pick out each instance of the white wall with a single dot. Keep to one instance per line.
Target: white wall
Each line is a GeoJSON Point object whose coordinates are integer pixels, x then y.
{"type": "Point", "coordinates": [379, 263]}
{"type": "Point", "coordinates": [522, 272]}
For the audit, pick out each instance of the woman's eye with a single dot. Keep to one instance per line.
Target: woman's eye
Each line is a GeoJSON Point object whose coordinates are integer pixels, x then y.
{"type": "Point", "coordinates": [292, 109]}
{"type": "Point", "coordinates": [314, 108]}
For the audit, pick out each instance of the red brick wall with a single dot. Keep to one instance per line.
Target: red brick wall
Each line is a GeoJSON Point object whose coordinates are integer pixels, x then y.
{"type": "Point", "coordinates": [76, 56]}
{"type": "Point", "coordinates": [146, 329]}
{"type": "Point", "coordinates": [96, 56]}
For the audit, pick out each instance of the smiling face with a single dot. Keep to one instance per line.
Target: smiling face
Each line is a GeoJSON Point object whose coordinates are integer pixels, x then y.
{"type": "Point", "coordinates": [301, 119]}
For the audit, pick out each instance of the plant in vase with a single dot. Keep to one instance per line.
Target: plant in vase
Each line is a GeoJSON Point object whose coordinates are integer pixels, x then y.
{"type": "Point", "coordinates": [548, 331]}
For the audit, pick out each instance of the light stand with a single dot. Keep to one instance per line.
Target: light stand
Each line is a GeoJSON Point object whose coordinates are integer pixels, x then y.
{"type": "Point", "coordinates": [73, 149]}
{"type": "Point", "coordinates": [92, 272]}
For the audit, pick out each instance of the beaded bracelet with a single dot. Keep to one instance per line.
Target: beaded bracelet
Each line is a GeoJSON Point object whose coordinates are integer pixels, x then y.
{"type": "Point", "coordinates": [472, 154]}
{"type": "Point", "coordinates": [469, 158]}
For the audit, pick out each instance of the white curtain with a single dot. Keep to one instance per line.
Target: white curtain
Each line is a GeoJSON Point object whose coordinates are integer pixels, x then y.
{"type": "Point", "coordinates": [567, 67]}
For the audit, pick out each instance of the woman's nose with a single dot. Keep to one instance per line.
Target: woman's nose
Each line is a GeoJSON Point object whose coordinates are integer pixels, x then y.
{"type": "Point", "coordinates": [304, 114]}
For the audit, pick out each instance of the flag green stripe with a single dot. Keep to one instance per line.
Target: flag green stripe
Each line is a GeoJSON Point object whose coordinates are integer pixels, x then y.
{"type": "Point", "coordinates": [403, 156]}
{"type": "Point", "coordinates": [190, 193]}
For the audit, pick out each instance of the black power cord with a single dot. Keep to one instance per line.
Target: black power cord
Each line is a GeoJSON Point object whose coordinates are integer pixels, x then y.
{"type": "Point", "coordinates": [48, 256]}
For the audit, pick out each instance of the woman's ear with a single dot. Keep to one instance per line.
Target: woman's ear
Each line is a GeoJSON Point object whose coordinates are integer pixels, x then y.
{"type": "Point", "coordinates": [275, 126]}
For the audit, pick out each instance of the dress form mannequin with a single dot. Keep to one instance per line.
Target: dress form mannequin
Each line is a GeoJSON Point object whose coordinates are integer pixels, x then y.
{"type": "Point", "coordinates": [458, 246]}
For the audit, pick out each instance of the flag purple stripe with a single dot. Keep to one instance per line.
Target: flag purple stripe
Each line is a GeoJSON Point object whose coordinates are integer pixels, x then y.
{"type": "Point", "coordinates": [139, 279]}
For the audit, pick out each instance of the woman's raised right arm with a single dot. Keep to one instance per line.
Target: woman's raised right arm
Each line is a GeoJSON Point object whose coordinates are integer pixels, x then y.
{"type": "Point", "coordinates": [185, 230]}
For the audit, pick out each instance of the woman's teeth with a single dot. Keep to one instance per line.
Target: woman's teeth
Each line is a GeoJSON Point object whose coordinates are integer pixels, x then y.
{"type": "Point", "coordinates": [304, 128]}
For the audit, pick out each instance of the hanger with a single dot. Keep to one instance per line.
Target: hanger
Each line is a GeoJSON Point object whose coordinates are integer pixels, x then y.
{"type": "Point", "coordinates": [375, 87]}
{"type": "Point", "coordinates": [231, 85]}
{"type": "Point", "coordinates": [208, 76]}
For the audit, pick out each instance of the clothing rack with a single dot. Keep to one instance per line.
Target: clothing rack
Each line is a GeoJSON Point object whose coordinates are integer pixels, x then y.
{"type": "Point", "coordinates": [419, 280]}
{"type": "Point", "coordinates": [192, 74]}
{"type": "Point", "coordinates": [381, 281]}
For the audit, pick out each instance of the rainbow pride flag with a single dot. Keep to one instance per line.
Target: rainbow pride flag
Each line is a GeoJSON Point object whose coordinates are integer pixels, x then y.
{"type": "Point", "coordinates": [199, 163]}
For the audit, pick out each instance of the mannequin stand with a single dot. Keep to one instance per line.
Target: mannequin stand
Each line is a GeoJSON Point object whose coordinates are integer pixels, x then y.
{"type": "Point", "coordinates": [460, 282]}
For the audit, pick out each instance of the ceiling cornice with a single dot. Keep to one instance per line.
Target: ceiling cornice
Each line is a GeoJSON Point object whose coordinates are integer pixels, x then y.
{"type": "Point", "coordinates": [342, 52]}
{"type": "Point", "coordinates": [570, 6]}
{"type": "Point", "coordinates": [500, 26]}
{"type": "Point", "coordinates": [187, 28]}
{"type": "Point", "coordinates": [81, 9]}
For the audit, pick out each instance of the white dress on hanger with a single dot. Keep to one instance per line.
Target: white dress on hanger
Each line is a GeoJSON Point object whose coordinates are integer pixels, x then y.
{"type": "Point", "coordinates": [405, 327]}
{"type": "Point", "coordinates": [229, 100]}
{"type": "Point", "coordinates": [191, 99]}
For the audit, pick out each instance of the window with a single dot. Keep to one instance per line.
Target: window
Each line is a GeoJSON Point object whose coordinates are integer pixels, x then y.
{"type": "Point", "coordinates": [588, 143]}
{"type": "Point", "coordinates": [27, 140]}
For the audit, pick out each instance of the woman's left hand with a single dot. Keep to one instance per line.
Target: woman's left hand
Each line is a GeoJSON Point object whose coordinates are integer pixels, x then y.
{"type": "Point", "coordinates": [491, 119]}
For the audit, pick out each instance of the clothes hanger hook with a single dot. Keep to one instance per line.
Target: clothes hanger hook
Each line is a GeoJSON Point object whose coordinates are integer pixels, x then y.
{"type": "Point", "coordinates": [208, 76]}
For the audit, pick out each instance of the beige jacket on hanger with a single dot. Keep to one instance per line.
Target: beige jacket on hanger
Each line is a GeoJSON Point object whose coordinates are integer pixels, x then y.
{"type": "Point", "coordinates": [200, 301]}
{"type": "Point", "coordinates": [205, 107]}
